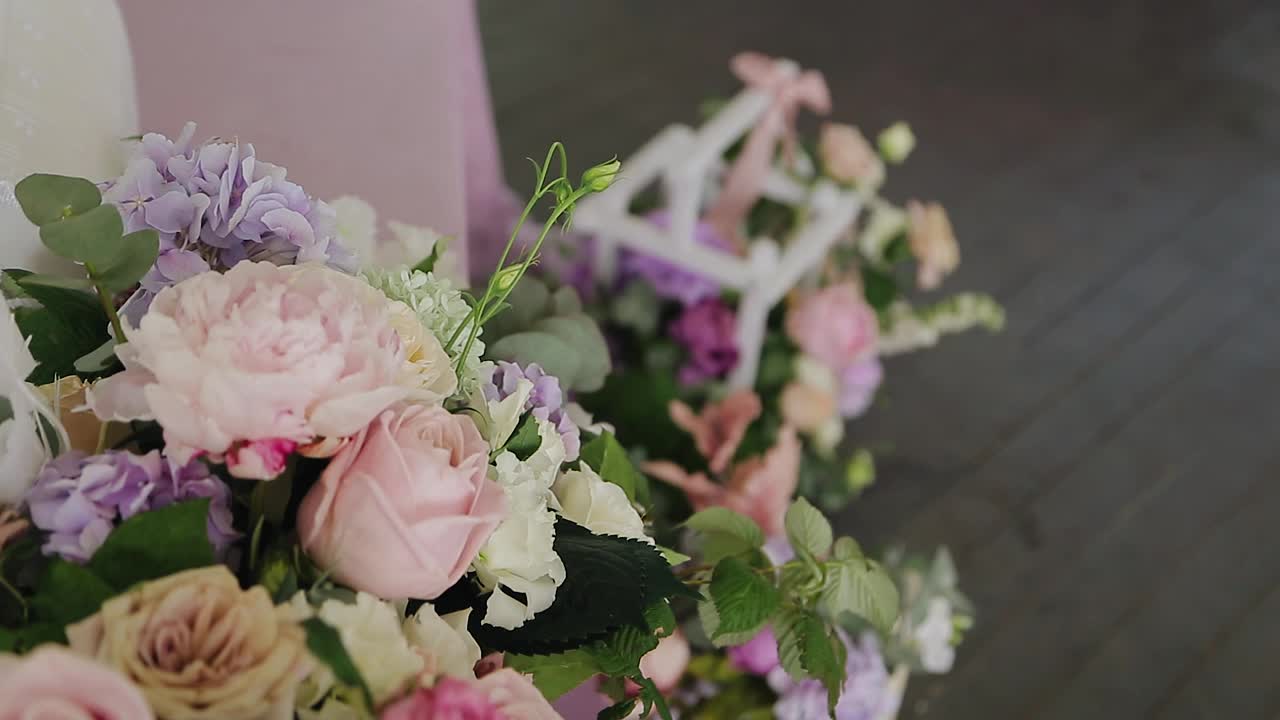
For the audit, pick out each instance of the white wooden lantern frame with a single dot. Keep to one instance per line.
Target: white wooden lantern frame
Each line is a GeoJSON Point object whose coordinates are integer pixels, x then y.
{"type": "Point", "coordinates": [685, 161]}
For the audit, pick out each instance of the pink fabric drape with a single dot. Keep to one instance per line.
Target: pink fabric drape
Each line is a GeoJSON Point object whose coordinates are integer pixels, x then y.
{"type": "Point", "coordinates": [383, 99]}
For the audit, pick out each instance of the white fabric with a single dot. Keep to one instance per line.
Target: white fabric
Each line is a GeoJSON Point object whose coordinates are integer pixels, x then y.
{"type": "Point", "coordinates": [66, 103]}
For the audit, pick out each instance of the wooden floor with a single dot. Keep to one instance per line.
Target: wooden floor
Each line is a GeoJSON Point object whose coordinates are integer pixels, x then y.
{"type": "Point", "coordinates": [1106, 470]}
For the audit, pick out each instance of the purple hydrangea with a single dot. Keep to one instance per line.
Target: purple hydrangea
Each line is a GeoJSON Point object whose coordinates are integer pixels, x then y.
{"type": "Point", "coordinates": [668, 280]}
{"type": "Point", "coordinates": [866, 694]}
{"type": "Point", "coordinates": [858, 384]}
{"type": "Point", "coordinates": [215, 204]}
{"type": "Point", "coordinates": [546, 402]}
{"type": "Point", "coordinates": [707, 332]}
{"type": "Point", "coordinates": [79, 499]}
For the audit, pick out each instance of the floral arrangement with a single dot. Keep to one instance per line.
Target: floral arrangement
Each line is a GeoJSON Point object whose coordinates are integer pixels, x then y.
{"type": "Point", "coordinates": [248, 473]}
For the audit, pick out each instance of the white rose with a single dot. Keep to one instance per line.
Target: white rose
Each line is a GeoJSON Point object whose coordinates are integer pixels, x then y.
{"type": "Point", "coordinates": [601, 507]}
{"type": "Point", "coordinates": [444, 641]}
{"type": "Point", "coordinates": [933, 637]}
{"type": "Point", "coordinates": [520, 555]}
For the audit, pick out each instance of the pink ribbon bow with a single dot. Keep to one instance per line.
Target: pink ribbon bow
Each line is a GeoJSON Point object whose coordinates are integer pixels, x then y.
{"type": "Point", "coordinates": [744, 182]}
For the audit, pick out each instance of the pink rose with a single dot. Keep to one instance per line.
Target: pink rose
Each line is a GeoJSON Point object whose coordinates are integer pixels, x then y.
{"type": "Point", "coordinates": [848, 158]}
{"type": "Point", "coordinates": [932, 241]}
{"type": "Point", "coordinates": [53, 683]}
{"type": "Point", "coordinates": [719, 428]}
{"type": "Point", "coordinates": [835, 325]}
{"type": "Point", "coordinates": [760, 488]}
{"type": "Point", "coordinates": [247, 364]}
{"type": "Point", "coordinates": [402, 509]}
{"type": "Point", "coordinates": [502, 695]}
{"type": "Point", "coordinates": [665, 664]}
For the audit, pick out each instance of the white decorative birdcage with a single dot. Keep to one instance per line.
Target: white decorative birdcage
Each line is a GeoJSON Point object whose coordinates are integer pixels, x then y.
{"type": "Point", "coordinates": [688, 164]}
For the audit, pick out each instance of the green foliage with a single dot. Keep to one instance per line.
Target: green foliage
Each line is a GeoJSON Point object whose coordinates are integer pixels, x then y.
{"type": "Point", "coordinates": [808, 530]}
{"type": "Point", "coordinates": [65, 324]}
{"type": "Point", "coordinates": [709, 618]}
{"type": "Point", "coordinates": [609, 584]}
{"type": "Point", "coordinates": [879, 287]}
{"type": "Point", "coordinates": [744, 600]}
{"type": "Point", "coordinates": [325, 645]}
{"type": "Point", "coordinates": [68, 593]}
{"type": "Point", "coordinates": [555, 675]}
{"type": "Point", "coordinates": [617, 711]}
{"type": "Point", "coordinates": [636, 308]}
{"type": "Point", "coordinates": [525, 441]}
{"type": "Point", "coordinates": [861, 587]}
{"type": "Point", "coordinates": [550, 329]}
{"type": "Point", "coordinates": [154, 544]}
{"type": "Point", "coordinates": [49, 198]}
{"type": "Point", "coordinates": [85, 237]}
{"type": "Point", "coordinates": [607, 457]}
{"type": "Point", "coordinates": [137, 252]}
{"type": "Point", "coordinates": [636, 402]}
{"type": "Point", "coordinates": [725, 533]}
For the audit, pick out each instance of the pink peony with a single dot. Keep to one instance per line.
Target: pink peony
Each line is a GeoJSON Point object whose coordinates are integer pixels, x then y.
{"type": "Point", "coordinates": [245, 365]}
{"type": "Point", "coordinates": [403, 508]}
{"type": "Point", "coordinates": [502, 695]}
{"type": "Point", "coordinates": [719, 428]}
{"type": "Point", "coordinates": [835, 325]}
{"type": "Point", "coordinates": [759, 488]}
{"type": "Point", "coordinates": [53, 683]}
{"type": "Point", "coordinates": [665, 664]}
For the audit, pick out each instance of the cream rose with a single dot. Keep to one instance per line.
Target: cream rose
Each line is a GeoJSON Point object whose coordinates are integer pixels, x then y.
{"type": "Point", "coordinates": [200, 648]}
{"type": "Point", "coordinates": [848, 158]}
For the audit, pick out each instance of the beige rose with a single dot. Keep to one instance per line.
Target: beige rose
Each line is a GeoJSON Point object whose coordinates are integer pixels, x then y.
{"type": "Point", "coordinates": [932, 241]}
{"type": "Point", "coordinates": [201, 648]}
{"type": "Point", "coordinates": [848, 158]}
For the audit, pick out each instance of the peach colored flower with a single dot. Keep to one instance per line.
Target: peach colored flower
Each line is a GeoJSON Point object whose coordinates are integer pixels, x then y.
{"type": "Point", "coordinates": [243, 364]}
{"type": "Point", "coordinates": [53, 683]}
{"type": "Point", "coordinates": [719, 428]}
{"type": "Point", "coordinates": [932, 241]}
{"type": "Point", "coordinates": [403, 509]}
{"type": "Point", "coordinates": [200, 648]}
{"type": "Point", "coordinates": [665, 664]}
{"type": "Point", "coordinates": [760, 488]}
{"type": "Point", "coordinates": [835, 325]}
{"type": "Point", "coordinates": [848, 158]}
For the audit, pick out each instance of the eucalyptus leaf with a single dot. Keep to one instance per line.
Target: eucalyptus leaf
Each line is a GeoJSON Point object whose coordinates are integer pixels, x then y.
{"type": "Point", "coordinates": [92, 237]}
{"type": "Point", "coordinates": [581, 333]}
{"type": "Point", "coordinates": [550, 351]}
{"type": "Point", "coordinates": [136, 255]}
{"type": "Point", "coordinates": [49, 198]}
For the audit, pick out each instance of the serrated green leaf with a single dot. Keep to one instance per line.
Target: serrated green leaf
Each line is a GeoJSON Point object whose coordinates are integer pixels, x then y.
{"type": "Point", "coordinates": [820, 658]}
{"type": "Point", "coordinates": [555, 675]}
{"type": "Point", "coordinates": [67, 325]}
{"type": "Point", "coordinates": [609, 459]}
{"type": "Point", "coordinates": [710, 620]}
{"type": "Point", "coordinates": [135, 254]}
{"type": "Point", "coordinates": [725, 532]}
{"type": "Point", "coordinates": [325, 645]}
{"type": "Point", "coordinates": [49, 198]}
{"type": "Point", "coordinates": [617, 711]}
{"type": "Point", "coordinates": [91, 237]}
{"type": "Point", "coordinates": [673, 557]}
{"type": "Point", "coordinates": [68, 593]}
{"type": "Point", "coordinates": [619, 654]}
{"type": "Point", "coordinates": [860, 586]}
{"type": "Point", "coordinates": [744, 600]}
{"type": "Point", "coordinates": [808, 530]}
{"type": "Point", "coordinates": [788, 627]}
{"type": "Point", "coordinates": [154, 544]}
{"type": "Point", "coordinates": [661, 619]}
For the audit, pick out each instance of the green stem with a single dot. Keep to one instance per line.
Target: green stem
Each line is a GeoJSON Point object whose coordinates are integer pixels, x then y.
{"type": "Point", "coordinates": [108, 305]}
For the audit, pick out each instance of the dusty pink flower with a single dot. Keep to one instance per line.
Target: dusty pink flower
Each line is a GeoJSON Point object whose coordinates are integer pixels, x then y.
{"type": "Point", "coordinates": [515, 696]}
{"type": "Point", "coordinates": [760, 488]}
{"type": "Point", "coordinates": [932, 241]}
{"type": "Point", "coordinates": [53, 683]}
{"type": "Point", "coordinates": [847, 157]}
{"type": "Point", "coordinates": [665, 664]}
{"type": "Point", "coordinates": [807, 407]}
{"type": "Point", "coordinates": [450, 698]}
{"type": "Point", "coordinates": [758, 655]}
{"type": "Point", "coordinates": [719, 428]}
{"type": "Point", "coordinates": [835, 325]}
{"type": "Point", "coordinates": [403, 508]}
{"type": "Point", "coordinates": [244, 365]}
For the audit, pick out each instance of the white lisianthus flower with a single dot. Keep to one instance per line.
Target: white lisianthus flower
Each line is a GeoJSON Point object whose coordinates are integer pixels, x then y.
{"type": "Point", "coordinates": [371, 632]}
{"type": "Point", "coordinates": [933, 637]}
{"type": "Point", "coordinates": [444, 641]}
{"type": "Point", "coordinates": [357, 230]}
{"type": "Point", "coordinates": [427, 367]}
{"type": "Point", "coordinates": [500, 417]}
{"type": "Point", "coordinates": [520, 555]}
{"type": "Point", "coordinates": [586, 422]}
{"type": "Point", "coordinates": [601, 507]}
{"type": "Point", "coordinates": [24, 448]}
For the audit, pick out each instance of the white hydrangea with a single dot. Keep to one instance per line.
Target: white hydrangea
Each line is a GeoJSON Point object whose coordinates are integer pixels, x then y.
{"type": "Point", "coordinates": [601, 507]}
{"type": "Point", "coordinates": [933, 637]}
{"type": "Point", "coordinates": [520, 555]}
{"type": "Point", "coordinates": [904, 328]}
{"type": "Point", "coordinates": [440, 308]}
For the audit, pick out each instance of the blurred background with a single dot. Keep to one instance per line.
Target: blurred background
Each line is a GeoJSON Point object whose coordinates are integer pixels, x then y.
{"type": "Point", "coordinates": [1102, 469]}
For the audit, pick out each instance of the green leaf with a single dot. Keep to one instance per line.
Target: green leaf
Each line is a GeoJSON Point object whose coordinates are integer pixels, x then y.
{"type": "Point", "coordinates": [555, 675]}
{"type": "Point", "coordinates": [617, 711]}
{"type": "Point", "coordinates": [68, 593]}
{"type": "Point", "coordinates": [607, 457]}
{"type": "Point", "coordinates": [808, 530]}
{"type": "Point", "coordinates": [661, 619]}
{"type": "Point", "coordinates": [54, 281]}
{"type": "Point", "coordinates": [270, 499]}
{"type": "Point", "coordinates": [652, 697]}
{"type": "Point", "coordinates": [92, 238]}
{"type": "Point", "coordinates": [744, 599]}
{"type": "Point", "coordinates": [96, 361]}
{"type": "Point", "coordinates": [581, 333]}
{"type": "Point", "coordinates": [50, 198]}
{"type": "Point", "coordinates": [556, 356]}
{"type": "Point", "coordinates": [726, 532]}
{"type": "Point", "coordinates": [154, 544]}
{"type": "Point", "coordinates": [860, 586]}
{"type": "Point", "coordinates": [821, 654]}
{"type": "Point", "coordinates": [710, 620]}
{"type": "Point", "coordinates": [619, 654]}
{"type": "Point", "coordinates": [67, 325]}
{"type": "Point", "coordinates": [136, 254]}
{"type": "Point", "coordinates": [673, 557]}
{"type": "Point", "coordinates": [789, 627]}
{"type": "Point", "coordinates": [325, 645]}
{"type": "Point", "coordinates": [880, 288]}
{"type": "Point", "coordinates": [526, 440]}
{"type": "Point", "coordinates": [846, 548]}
